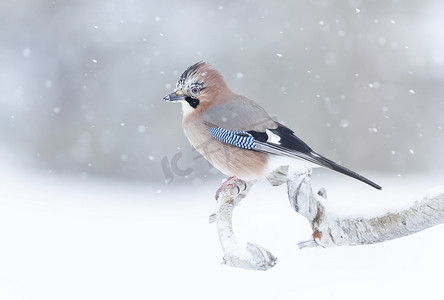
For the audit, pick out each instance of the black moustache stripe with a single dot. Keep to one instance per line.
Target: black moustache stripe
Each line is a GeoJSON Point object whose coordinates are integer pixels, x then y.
{"type": "Point", "coordinates": [192, 102]}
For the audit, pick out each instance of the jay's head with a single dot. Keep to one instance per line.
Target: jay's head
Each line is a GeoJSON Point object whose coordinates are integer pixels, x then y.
{"type": "Point", "coordinates": [199, 86]}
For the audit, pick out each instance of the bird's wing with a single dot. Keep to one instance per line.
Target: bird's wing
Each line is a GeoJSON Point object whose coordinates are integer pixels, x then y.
{"type": "Point", "coordinates": [243, 123]}
{"type": "Point", "coordinates": [279, 141]}
{"type": "Point", "coordinates": [239, 114]}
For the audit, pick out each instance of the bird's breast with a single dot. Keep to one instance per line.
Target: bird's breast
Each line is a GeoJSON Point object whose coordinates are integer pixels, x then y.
{"type": "Point", "coordinates": [230, 160]}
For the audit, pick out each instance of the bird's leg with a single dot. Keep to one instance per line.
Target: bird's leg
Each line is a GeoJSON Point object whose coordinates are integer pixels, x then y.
{"type": "Point", "coordinates": [250, 256]}
{"type": "Point", "coordinates": [225, 184]}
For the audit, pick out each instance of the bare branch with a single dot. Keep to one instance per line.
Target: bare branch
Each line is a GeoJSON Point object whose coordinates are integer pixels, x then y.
{"type": "Point", "coordinates": [330, 230]}
{"type": "Point", "coordinates": [249, 256]}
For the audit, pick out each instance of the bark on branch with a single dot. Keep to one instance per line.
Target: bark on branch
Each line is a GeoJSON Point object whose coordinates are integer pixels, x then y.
{"type": "Point", "coordinates": [331, 230]}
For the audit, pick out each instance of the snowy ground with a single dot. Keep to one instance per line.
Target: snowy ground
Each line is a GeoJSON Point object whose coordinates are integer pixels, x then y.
{"type": "Point", "coordinates": [67, 239]}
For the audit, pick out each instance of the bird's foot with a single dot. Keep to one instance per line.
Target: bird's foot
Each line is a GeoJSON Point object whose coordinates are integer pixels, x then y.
{"type": "Point", "coordinates": [252, 257]}
{"type": "Point", "coordinates": [233, 181]}
{"type": "Point", "coordinates": [241, 186]}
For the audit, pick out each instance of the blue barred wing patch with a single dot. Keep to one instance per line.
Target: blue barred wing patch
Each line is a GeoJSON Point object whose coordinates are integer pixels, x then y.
{"type": "Point", "coordinates": [241, 139]}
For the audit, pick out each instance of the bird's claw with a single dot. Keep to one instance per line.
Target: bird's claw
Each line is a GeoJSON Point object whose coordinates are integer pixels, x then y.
{"type": "Point", "coordinates": [232, 182]}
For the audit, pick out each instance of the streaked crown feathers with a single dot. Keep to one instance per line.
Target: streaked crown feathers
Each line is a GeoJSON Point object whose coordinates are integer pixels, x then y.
{"type": "Point", "coordinates": [192, 74]}
{"type": "Point", "coordinates": [202, 74]}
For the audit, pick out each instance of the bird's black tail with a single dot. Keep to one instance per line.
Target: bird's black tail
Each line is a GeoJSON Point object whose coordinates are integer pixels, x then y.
{"type": "Point", "coordinates": [325, 162]}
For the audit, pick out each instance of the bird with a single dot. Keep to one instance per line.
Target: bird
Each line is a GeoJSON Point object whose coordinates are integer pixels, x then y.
{"type": "Point", "coordinates": [235, 134]}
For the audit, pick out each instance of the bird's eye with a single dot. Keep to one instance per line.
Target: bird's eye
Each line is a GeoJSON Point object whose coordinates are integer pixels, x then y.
{"type": "Point", "coordinates": [195, 90]}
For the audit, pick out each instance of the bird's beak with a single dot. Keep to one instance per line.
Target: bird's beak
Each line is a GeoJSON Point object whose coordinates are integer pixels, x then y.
{"type": "Point", "coordinates": [173, 97]}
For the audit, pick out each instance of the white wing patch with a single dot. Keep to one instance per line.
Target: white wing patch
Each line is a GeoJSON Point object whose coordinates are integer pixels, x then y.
{"type": "Point", "coordinates": [315, 154]}
{"type": "Point", "coordinates": [273, 138]}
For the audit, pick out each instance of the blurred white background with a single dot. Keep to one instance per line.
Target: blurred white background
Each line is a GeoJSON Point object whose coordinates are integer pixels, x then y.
{"type": "Point", "coordinates": [81, 83]}
{"type": "Point", "coordinates": [92, 204]}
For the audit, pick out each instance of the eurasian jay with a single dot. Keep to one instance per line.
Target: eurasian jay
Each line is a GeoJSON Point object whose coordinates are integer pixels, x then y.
{"type": "Point", "coordinates": [236, 134]}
